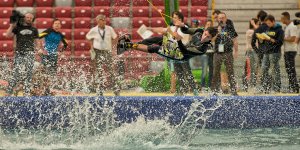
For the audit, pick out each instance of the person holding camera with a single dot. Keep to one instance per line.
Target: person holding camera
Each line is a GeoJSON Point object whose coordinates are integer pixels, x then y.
{"type": "Point", "coordinates": [21, 28]}
{"type": "Point", "coordinates": [224, 53]}
{"type": "Point", "coordinates": [290, 51]}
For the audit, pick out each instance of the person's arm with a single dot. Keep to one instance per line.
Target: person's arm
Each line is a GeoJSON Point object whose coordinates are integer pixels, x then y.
{"type": "Point", "coordinates": [292, 38]}
{"type": "Point", "coordinates": [277, 40]}
{"type": "Point", "coordinates": [65, 42]}
{"type": "Point", "coordinates": [90, 37]}
{"type": "Point", "coordinates": [253, 41]}
{"type": "Point", "coordinates": [9, 31]}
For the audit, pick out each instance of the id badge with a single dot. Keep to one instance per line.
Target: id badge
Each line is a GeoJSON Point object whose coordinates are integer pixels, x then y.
{"type": "Point", "coordinates": [221, 48]}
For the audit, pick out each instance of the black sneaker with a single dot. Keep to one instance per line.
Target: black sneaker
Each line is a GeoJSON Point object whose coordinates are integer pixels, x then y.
{"type": "Point", "coordinates": [122, 43]}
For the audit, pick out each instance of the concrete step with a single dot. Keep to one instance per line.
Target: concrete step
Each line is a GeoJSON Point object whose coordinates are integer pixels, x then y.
{"type": "Point", "coordinates": [270, 2]}
{"type": "Point", "coordinates": [250, 6]}
{"type": "Point", "coordinates": [246, 15]}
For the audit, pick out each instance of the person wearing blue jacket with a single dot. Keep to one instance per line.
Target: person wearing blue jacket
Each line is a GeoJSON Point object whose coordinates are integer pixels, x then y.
{"type": "Point", "coordinates": [49, 53]}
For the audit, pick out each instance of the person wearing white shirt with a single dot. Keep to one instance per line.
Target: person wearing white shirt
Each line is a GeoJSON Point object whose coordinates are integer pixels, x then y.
{"type": "Point", "coordinates": [290, 51]}
{"type": "Point", "coordinates": [101, 38]}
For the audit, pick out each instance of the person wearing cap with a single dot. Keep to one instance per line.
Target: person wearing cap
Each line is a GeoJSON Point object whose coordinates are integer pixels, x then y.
{"type": "Point", "coordinates": [101, 38]}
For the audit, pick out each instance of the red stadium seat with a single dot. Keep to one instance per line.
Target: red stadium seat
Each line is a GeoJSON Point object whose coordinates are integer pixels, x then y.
{"type": "Point", "coordinates": [44, 3]}
{"type": "Point", "coordinates": [4, 23]}
{"type": "Point", "coordinates": [81, 46]}
{"type": "Point", "coordinates": [120, 11]}
{"type": "Point", "coordinates": [83, 11]}
{"type": "Point", "coordinates": [138, 21]}
{"type": "Point", "coordinates": [43, 23]}
{"type": "Point", "coordinates": [102, 3]}
{"type": "Point", "coordinates": [140, 11]}
{"type": "Point", "coordinates": [83, 3]}
{"type": "Point", "coordinates": [199, 2]}
{"type": "Point", "coordinates": [3, 35]}
{"type": "Point", "coordinates": [158, 2]}
{"type": "Point", "coordinates": [6, 46]}
{"type": "Point", "coordinates": [135, 35]}
{"type": "Point", "coordinates": [67, 33]}
{"type": "Point", "coordinates": [140, 3]}
{"type": "Point", "coordinates": [25, 3]}
{"type": "Point", "coordinates": [156, 10]}
{"type": "Point", "coordinates": [7, 3]}
{"type": "Point", "coordinates": [183, 3]}
{"type": "Point", "coordinates": [82, 23]}
{"type": "Point", "coordinates": [199, 11]}
{"type": "Point", "coordinates": [66, 23]}
{"type": "Point", "coordinates": [122, 3]}
{"type": "Point", "coordinates": [82, 54]}
{"type": "Point", "coordinates": [79, 34]}
{"type": "Point", "coordinates": [158, 22]}
{"type": "Point", "coordinates": [184, 11]}
{"type": "Point", "coordinates": [121, 31]}
{"type": "Point", "coordinates": [102, 10]}
{"type": "Point", "coordinates": [63, 12]}
{"type": "Point", "coordinates": [5, 12]}
{"type": "Point", "coordinates": [44, 12]}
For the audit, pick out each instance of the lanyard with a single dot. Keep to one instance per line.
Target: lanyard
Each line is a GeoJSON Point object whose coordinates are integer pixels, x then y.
{"type": "Point", "coordinates": [102, 35]}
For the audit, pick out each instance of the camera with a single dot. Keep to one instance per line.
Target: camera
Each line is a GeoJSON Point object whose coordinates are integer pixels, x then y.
{"type": "Point", "coordinates": [297, 21]}
{"type": "Point", "coordinates": [17, 17]}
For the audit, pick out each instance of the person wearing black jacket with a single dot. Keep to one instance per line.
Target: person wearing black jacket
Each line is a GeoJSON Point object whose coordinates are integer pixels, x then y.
{"type": "Point", "coordinates": [224, 53]}
{"type": "Point", "coordinates": [259, 45]}
{"type": "Point", "coordinates": [174, 49]}
{"type": "Point", "coordinates": [272, 46]}
{"type": "Point", "coordinates": [26, 38]}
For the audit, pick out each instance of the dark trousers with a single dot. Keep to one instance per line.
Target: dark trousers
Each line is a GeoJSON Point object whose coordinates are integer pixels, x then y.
{"type": "Point", "coordinates": [227, 58]}
{"type": "Point", "coordinates": [210, 67]}
{"type": "Point", "coordinates": [289, 59]}
{"type": "Point", "coordinates": [184, 76]}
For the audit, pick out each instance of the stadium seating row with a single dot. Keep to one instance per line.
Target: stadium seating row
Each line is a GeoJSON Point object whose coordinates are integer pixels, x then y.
{"type": "Point", "coordinates": [50, 3]}
{"type": "Point", "coordinates": [69, 12]}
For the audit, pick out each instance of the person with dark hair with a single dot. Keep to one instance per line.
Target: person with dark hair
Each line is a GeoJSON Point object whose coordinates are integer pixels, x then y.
{"type": "Point", "coordinates": [26, 36]}
{"type": "Point", "coordinates": [259, 46]}
{"type": "Point", "coordinates": [224, 47]}
{"type": "Point", "coordinates": [174, 49]}
{"type": "Point", "coordinates": [195, 23]}
{"type": "Point", "coordinates": [273, 39]}
{"type": "Point", "coordinates": [182, 71]}
{"type": "Point", "coordinates": [49, 53]}
{"type": "Point", "coordinates": [261, 15]}
{"type": "Point", "coordinates": [52, 37]}
{"type": "Point", "coordinates": [290, 51]}
{"type": "Point", "coordinates": [250, 58]}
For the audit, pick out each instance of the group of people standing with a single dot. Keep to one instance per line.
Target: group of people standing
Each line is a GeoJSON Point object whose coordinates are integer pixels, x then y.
{"type": "Point", "coordinates": [215, 43]}
{"type": "Point", "coordinates": [29, 44]}
{"type": "Point", "coordinates": [265, 39]}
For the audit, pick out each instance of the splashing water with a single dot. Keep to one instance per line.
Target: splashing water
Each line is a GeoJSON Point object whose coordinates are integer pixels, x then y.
{"type": "Point", "coordinates": [87, 124]}
{"type": "Point", "coordinates": [90, 123]}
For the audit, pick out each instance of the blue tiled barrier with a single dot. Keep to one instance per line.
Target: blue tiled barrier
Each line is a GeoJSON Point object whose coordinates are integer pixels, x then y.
{"type": "Point", "coordinates": [224, 112]}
